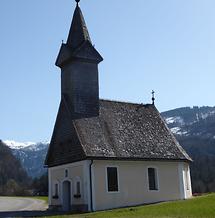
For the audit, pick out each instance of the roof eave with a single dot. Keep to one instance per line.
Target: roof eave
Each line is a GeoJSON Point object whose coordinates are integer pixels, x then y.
{"type": "Point", "coordinates": [138, 159]}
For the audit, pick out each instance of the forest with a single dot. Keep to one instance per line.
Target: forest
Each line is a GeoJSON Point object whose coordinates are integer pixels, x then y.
{"type": "Point", "coordinates": [202, 151]}
{"type": "Point", "coordinates": [14, 180]}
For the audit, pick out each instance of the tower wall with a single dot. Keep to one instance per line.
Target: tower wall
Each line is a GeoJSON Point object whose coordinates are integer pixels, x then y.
{"type": "Point", "coordinates": [79, 83]}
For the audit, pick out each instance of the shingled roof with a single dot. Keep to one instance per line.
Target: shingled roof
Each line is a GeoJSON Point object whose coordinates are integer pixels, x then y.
{"type": "Point", "coordinates": [122, 131]}
{"type": "Point", "coordinates": [78, 31]}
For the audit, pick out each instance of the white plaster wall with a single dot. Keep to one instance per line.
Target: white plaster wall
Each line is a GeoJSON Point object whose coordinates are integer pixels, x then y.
{"type": "Point", "coordinates": [133, 183]}
{"type": "Point", "coordinates": [78, 170]}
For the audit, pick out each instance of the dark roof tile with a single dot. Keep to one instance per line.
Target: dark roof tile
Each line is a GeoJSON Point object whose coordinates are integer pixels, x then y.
{"type": "Point", "coordinates": [122, 131]}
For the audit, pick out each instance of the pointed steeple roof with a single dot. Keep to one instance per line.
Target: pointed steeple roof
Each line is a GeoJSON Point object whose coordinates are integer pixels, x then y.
{"type": "Point", "coordinates": [78, 31]}
{"type": "Point", "coordinates": [78, 45]}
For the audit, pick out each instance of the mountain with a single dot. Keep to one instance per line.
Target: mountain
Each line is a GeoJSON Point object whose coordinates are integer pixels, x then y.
{"type": "Point", "coordinates": [13, 178]}
{"type": "Point", "coordinates": [195, 121]}
{"type": "Point", "coordinates": [195, 130]}
{"type": "Point", "coordinates": [31, 155]}
{"type": "Point", "coordinates": [18, 145]}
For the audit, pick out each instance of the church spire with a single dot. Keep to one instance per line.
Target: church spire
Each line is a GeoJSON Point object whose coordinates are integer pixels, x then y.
{"type": "Point", "coordinates": [78, 31]}
{"type": "Point", "coordinates": [78, 60]}
{"type": "Point", "coordinates": [78, 45]}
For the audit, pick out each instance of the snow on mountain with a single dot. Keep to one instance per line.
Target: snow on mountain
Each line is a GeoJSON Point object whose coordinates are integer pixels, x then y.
{"type": "Point", "coordinates": [176, 119]}
{"type": "Point", "coordinates": [206, 115]}
{"type": "Point", "coordinates": [37, 146]}
{"type": "Point", "coordinates": [31, 155]}
{"type": "Point", "coordinates": [195, 121]}
{"type": "Point", "coordinates": [18, 145]}
{"type": "Point", "coordinates": [178, 131]}
{"type": "Point", "coordinates": [26, 145]}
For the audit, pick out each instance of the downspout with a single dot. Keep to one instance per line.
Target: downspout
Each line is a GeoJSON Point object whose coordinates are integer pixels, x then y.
{"type": "Point", "coordinates": [91, 186]}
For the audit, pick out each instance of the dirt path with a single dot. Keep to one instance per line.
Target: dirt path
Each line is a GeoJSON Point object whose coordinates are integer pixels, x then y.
{"type": "Point", "coordinates": [21, 204]}
{"type": "Point", "coordinates": [24, 207]}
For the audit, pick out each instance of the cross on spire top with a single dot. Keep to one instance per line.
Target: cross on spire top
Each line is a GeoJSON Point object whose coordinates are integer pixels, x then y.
{"type": "Point", "coordinates": [153, 97]}
{"type": "Point", "coordinates": [77, 1]}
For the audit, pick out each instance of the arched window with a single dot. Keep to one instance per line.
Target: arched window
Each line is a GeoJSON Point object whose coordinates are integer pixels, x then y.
{"type": "Point", "coordinates": [66, 173]}
{"type": "Point", "coordinates": [56, 190]}
{"type": "Point", "coordinates": [153, 178]}
{"type": "Point", "coordinates": [77, 187]}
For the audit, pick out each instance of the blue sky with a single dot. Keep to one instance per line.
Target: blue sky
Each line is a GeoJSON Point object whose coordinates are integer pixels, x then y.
{"type": "Point", "coordinates": [167, 45]}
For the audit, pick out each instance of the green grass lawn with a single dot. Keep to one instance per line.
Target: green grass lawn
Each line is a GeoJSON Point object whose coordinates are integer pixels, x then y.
{"type": "Point", "coordinates": [198, 207]}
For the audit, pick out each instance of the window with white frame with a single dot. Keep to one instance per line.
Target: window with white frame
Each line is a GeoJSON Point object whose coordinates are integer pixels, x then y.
{"type": "Point", "coordinates": [112, 179]}
{"type": "Point", "coordinates": [152, 178]}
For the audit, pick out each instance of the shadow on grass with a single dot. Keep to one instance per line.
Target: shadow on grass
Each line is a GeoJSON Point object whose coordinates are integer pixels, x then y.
{"type": "Point", "coordinates": [31, 213]}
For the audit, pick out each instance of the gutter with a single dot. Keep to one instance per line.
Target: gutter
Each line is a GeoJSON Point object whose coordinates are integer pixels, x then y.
{"type": "Point", "coordinates": [91, 188]}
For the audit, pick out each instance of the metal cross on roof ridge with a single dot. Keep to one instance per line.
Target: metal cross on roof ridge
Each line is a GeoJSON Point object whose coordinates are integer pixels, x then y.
{"type": "Point", "coordinates": [153, 97]}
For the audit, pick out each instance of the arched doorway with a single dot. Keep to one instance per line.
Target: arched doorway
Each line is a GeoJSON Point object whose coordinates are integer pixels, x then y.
{"type": "Point", "coordinates": [66, 196]}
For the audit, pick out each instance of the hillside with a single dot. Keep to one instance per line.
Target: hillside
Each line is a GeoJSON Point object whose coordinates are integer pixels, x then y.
{"type": "Point", "coordinates": [31, 155]}
{"type": "Point", "coordinates": [195, 130]}
{"type": "Point", "coordinates": [13, 178]}
{"type": "Point", "coordinates": [192, 122]}
{"type": "Point", "coordinates": [202, 152]}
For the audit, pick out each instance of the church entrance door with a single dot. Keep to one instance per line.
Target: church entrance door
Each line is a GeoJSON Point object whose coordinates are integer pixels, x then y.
{"type": "Point", "coordinates": [66, 196]}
